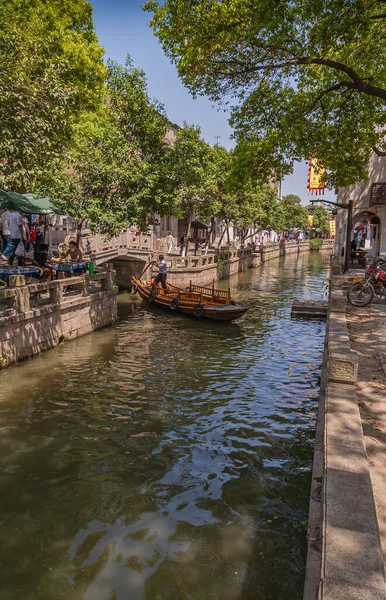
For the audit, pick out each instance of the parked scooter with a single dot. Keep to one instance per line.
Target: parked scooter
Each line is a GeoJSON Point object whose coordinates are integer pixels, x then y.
{"type": "Point", "coordinates": [363, 290]}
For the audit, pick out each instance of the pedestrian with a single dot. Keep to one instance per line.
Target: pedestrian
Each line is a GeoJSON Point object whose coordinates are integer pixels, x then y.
{"type": "Point", "coordinates": [6, 236]}
{"type": "Point", "coordinates": [359, 240]}
{"type": "Point", "coordinates": [26, 231]}
{"type": "Point", "coordinates": [182, 243]}
{"type": "Point", "coordinates": [16, 233]}
{"type": "Point", "coordinates": [162, 271]}
{"type": "Point", "coordinates": [169, 242]}
{"type": "Point", "coordinates": [39, 228]}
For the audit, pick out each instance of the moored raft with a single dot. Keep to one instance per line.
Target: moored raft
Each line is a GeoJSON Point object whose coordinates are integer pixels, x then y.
{"type": "Point", "coordinates": [197, 301]}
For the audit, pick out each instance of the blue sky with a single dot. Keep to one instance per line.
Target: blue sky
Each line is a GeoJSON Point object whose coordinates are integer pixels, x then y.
{"type": "Point", "coordinates": [122, 29]}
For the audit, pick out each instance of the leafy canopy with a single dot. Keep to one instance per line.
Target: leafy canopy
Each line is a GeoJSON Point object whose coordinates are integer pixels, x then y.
{"type": "Point", "coordinates": [307, 78]}
{"type": "Point", "coordinates": [51, 71]}
{"type": "Point", "coordinates": [118, 172]}
{"type": "Point", "coordinates": [194, 167]}
{"type": "Point", "coordinates": [320, 218]}
{"type": "Point", "coordinates": [292, 213]}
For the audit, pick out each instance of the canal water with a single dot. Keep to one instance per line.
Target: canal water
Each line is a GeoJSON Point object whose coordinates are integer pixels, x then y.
{"type": "Point", "coordinates": [167, 458]}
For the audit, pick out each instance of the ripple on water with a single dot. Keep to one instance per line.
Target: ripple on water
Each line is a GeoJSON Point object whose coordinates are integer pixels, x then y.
{"type": "Point", "coordinates": [171, 458]}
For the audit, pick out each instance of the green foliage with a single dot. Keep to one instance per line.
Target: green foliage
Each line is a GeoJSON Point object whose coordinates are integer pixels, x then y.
{"type": "Point", "coordinates": [51, 72]}
{"type": "Point", "coordinates": [292, 213]}
{"type": "Point", "coordinates": [316, 244]}
{"type": "Point", "coordinates": [195, 170]}
{"type": "Point", "coordinates": [320, 216]}
{"type": "Point", "coordinates": [117, 172]}
{"type": "Point", "coordinates": [308, 78]}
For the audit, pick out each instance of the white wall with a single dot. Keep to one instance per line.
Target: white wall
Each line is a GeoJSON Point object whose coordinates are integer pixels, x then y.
{"type": "Point", "coordinates": [360, 193]}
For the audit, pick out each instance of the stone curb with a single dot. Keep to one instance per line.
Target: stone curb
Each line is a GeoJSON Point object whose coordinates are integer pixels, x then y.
{"type": "Point", "coordinates": [344, 559]}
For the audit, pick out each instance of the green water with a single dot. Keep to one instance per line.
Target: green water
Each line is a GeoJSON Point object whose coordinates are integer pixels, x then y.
{"type": "Point", "coordinates": [166, 458]}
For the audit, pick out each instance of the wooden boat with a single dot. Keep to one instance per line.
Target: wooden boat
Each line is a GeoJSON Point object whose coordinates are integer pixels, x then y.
{"type": "Point", "coordinates": [201, 302]}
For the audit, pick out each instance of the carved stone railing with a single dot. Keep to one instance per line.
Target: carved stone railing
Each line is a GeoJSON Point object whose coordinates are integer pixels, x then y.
{"type": "Point", "coordinates": [206, 260]}
{"type": "Point", "coordinates": [25, 298]}
{"type": "Point", "coordinates": [99, 248]}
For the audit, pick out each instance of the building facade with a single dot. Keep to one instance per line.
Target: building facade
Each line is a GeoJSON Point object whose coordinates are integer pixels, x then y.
{"type": "Point", "coordinates": [369, 212]}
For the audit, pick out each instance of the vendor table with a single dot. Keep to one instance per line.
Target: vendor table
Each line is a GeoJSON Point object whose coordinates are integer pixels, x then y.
{"type": "Point", "coordinates": [7, 271]}
{"type": "Point", "coordinates": [69, 267]}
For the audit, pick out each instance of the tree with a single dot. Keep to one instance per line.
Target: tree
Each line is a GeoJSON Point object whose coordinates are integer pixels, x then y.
{"type": "Point", "coordinates": [118, 169]}
{"type": "Point", "coordinates": [194, 167]}
{"type": "Point", "coordinates": [292, 213]}
{"type": "Point", "coordinates": [309, 79]}
{"type": "Point", "coordinates": [320, 217]}
{"type": "Point", "coordinates": [51, 71]}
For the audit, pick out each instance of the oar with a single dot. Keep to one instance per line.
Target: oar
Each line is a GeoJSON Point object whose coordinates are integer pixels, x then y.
{"type": "Point", "coordinates": [144, 271]}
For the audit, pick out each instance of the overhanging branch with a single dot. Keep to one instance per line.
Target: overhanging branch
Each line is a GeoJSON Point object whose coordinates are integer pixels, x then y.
{"type": "Point", "coordinates": [378, 152]}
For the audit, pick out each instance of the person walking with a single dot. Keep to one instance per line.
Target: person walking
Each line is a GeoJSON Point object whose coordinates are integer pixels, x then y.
{"type": "Point", "coordinates": [6, 235]}
{"type": "Point", "coordinates": [16, 233]}
{"type": "Point", "coordinates": [169, 242]}
{"type": "Point", "coordinates": [182, 243]}
{"type": "Point", "coordinates": [39, 227]}
{"type": "Point", "coordinates": [26, 231]}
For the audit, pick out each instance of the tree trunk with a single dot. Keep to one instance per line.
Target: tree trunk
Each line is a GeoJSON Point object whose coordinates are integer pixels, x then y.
{"type": "Point", "coordinates": [249, 235]}
{"type": "Point", "coordinates": [245, 235]}
{"type": "Point", "coordinates": [78, 231]}
{"type": "Point", "coordinates": [223, 233]}
{"type": "Point", "coordinates": [212, 233]}
{"type": "Point", "coordinates": [186, 242]}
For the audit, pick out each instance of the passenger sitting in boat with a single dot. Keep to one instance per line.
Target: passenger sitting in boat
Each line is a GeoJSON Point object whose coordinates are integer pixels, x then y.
{"type": "Point", "coordinates": [162, 271]}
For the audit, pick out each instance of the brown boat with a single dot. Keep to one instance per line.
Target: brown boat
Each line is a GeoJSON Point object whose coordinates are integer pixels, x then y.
{"type": "Point", "coordinates": [201, 302]}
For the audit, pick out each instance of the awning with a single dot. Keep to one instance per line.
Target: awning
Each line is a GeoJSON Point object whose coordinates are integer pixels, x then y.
{"type": "Point", "coordinates": [28, 203]}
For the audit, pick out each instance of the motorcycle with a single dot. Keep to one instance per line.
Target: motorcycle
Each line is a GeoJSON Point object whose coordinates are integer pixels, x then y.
{"type": "Point", "coordinates": [363, 290]}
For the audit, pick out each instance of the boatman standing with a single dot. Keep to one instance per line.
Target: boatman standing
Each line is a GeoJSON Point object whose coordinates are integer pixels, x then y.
{"type": "Point", "coordinates": [162, 271]}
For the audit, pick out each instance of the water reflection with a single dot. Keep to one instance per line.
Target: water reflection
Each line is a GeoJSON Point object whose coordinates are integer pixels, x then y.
{"type": "Point", "coordinates": [170, 458]}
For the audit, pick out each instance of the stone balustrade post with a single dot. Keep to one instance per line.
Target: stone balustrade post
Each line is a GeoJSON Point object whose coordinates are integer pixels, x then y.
{"type": "Point", "coordinates": [56, 292]}
{"type": "Point", "coordinates": [108, 283]}
{"type": "Point", "coordinates": [85, 287]}
{"type": "Point", "coordinates": [17, 281]}
{"type": "Point", "coordinates": [22, 303]}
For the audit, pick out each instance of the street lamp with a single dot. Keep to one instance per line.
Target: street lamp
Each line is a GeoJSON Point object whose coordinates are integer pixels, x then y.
{"type": "Point", "coordinates": [348, 207]}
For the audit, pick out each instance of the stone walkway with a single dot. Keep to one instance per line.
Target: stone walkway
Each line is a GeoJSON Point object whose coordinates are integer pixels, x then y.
{"type": "Point", "coordinates": [367, 331]}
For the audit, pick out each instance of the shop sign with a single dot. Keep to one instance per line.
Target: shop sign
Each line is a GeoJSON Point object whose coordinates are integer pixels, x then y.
{"type": "Point", "coordinates": [378, 193]}
{"type": "Point", "coordinates": [332, 227]}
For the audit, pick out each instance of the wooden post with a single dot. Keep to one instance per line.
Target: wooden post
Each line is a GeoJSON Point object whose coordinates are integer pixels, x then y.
{"type": "Point", "coordinates": [213, 290]}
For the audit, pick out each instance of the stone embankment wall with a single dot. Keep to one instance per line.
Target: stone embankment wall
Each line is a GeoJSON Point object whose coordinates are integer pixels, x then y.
{"type": "Point", "coordinates": [40, 316]}
{"type": "Point", "coordinates": [206, 269]}
{"type": "Point", "coordinates": [203, 269]}
{"type": "Point", "coordinates": [344, 551]}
